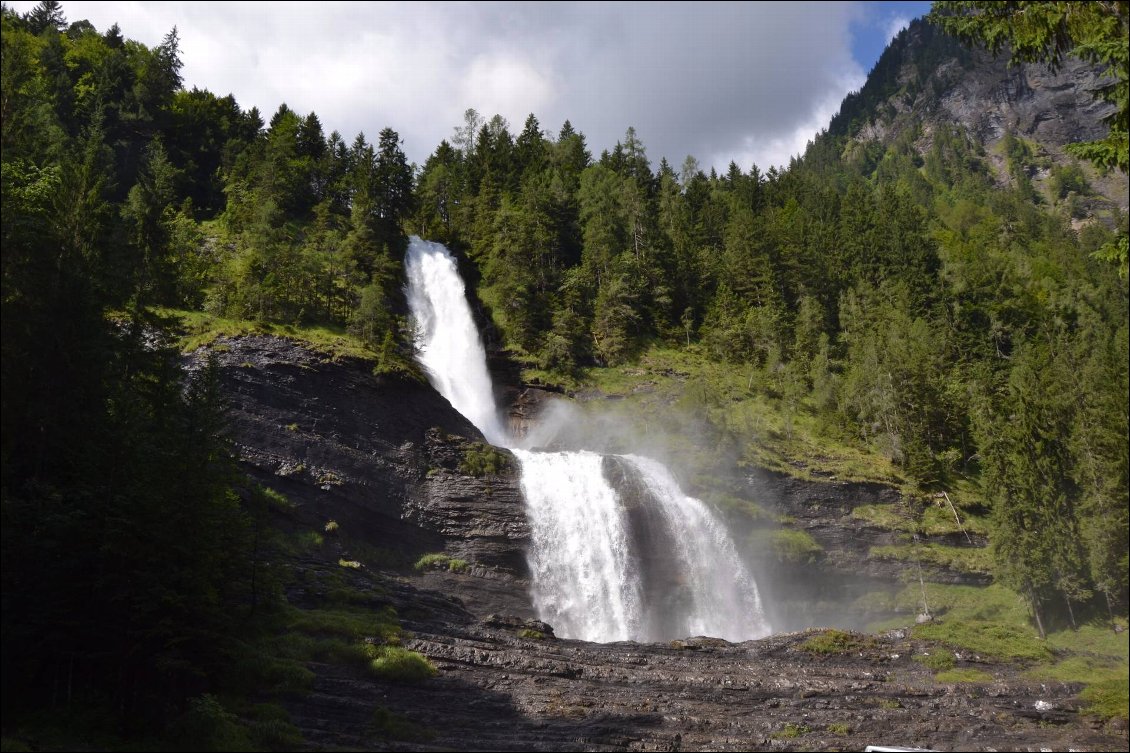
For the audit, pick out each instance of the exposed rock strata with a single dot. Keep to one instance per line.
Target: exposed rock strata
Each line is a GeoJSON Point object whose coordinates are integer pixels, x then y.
{"type": "Point", "coordinates": [383, 459]}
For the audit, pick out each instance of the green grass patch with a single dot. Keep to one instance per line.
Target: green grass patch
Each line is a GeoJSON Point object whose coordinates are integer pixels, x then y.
{"type": "Point", "coordinates": [938, 660]}
{"type": "Point", "coordinates": [398, 664]}
{"type": "Point", "coordinates": [389, 725]}
{"type": "Point", "coordinates": [890, 517]}
{"type": "Point", "coordinates": [837, 642]}
{"type": "Point", "coordinates": [963, 675]}
{"type": "Point", "coordinates": [939, 521]}
{"type": "Point", "coordinates": [839, 729]}
{"type": "Point", "coordinates": [441, 561]}
{"type": "Point", "coordinates": [791, 731]}
{"type": "Point", "coordinates": [731, 505]}
{"type": "Point", "coordinates": [963, 559]}
{"type": "Point", "coordinates": [935, 520]}
{"type": "Point", "coordinates": [276, 499]}
{"type": "Point", "coordinates": [992, 640]}
{"type": "Point", "coordinates": [1108, 698]}
{"type": "Point", "coordinates": [351, 624]}
{"type": "Point", "coordinates": [787, 545]}
{"type": "Point", "coordinates": [200, 328]}
{"type": "Point", "coordinates": [991, 621]}
{"type": "Point", "coordinates": [1095, 656]}
{"type": "Point", "coordinates": [1097, 638]}
{"type": "Point", "coordinates": [304, 542]}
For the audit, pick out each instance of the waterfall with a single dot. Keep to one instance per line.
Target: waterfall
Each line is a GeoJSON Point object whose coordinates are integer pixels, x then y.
{"type": "Point", "coordinates": [618, 551]}
{"type": "Point", "coordinates": [447, 340]}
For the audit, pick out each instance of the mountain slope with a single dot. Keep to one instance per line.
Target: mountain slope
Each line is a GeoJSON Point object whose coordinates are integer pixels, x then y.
{"type": "Point", "coordinates": [926, 80]}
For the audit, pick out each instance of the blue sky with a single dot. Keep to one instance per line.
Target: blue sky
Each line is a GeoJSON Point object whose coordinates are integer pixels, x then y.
{"type": "Point", "coordinates": [872, 31]}
{"type": "Point", "coordinates": [722, 81]}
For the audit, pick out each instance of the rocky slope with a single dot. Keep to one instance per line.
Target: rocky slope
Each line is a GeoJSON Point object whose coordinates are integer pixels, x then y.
{"type": "Point", "coordinates": [926, 81]}
{"type": "Point", "coordinates": [389, 462]}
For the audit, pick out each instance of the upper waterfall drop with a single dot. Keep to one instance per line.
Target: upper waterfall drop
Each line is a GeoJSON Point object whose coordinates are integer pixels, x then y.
{"type": "Point", "coordinates": [447, 339]}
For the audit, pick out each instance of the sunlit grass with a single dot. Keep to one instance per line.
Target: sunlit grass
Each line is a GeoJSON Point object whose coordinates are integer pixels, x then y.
{"type": "Point", "coordinates": [666, 388]}
{"type": "Point", "coordinates": [964, 559]}
{"type": "Point", "coordinates": [963, 675]}
{"type": "Point", "coordinates": [200, 328]}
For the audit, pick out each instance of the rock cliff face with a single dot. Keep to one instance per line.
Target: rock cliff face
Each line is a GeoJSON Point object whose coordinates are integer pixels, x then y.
{"type": "Point", "coordinates": [388, 461]}
{"type": "Point", "coordinates": [927, 81]}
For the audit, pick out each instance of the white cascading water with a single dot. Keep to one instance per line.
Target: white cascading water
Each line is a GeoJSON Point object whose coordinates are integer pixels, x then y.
{"type": "Point", "coordinates": [603, 568]}
{"type": "Point", "coordinates": [580, 556]}
{"type": "Point", "coordinates": [447, 340]}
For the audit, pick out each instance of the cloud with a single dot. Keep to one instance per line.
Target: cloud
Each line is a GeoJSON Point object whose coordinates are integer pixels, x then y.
{"type": "Point", "coordinates": [895, 24]}
{"type": "Point", "coordinates": [749, 82]}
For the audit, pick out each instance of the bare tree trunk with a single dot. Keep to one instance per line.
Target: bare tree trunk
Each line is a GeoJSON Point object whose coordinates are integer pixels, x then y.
{"type": "Point", "coordinates": [921, 581]}
{"type": "Point", "coordinates": [957, 517]}
{"type": "Point", "coordinates": [1036, 612]}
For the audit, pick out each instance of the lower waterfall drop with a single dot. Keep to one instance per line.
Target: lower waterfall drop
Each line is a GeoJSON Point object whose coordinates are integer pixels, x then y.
{"type": "Point", "coordinates": [618, 551]}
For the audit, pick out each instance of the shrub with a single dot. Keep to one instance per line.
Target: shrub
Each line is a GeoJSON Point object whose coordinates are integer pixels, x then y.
{"type": "Point", "coordinates": [790, 731]}
{"type": "Point", "coordinates": [401, 665]}
{"type": "Point", "coordinates": [208, 726]}
{"type": "Point", "coordinates": [483, 460]}
{"type": "Point", "coordinates": [270, 727]}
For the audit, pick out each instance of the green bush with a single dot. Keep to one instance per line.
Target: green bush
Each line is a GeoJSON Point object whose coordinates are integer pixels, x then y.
{"type": "Point", "coordinates": [483, 460]}
{"type": "Point", "coordinates": [401, 665]}
{"type": "Point", "coordinates": [785, 545]}
{"type": "Point", "coordinates": [270, 727]}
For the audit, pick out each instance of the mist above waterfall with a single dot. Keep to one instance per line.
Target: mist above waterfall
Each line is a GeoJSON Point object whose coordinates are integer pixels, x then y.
{"type": "Point", "coordinates": [618, 550]}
